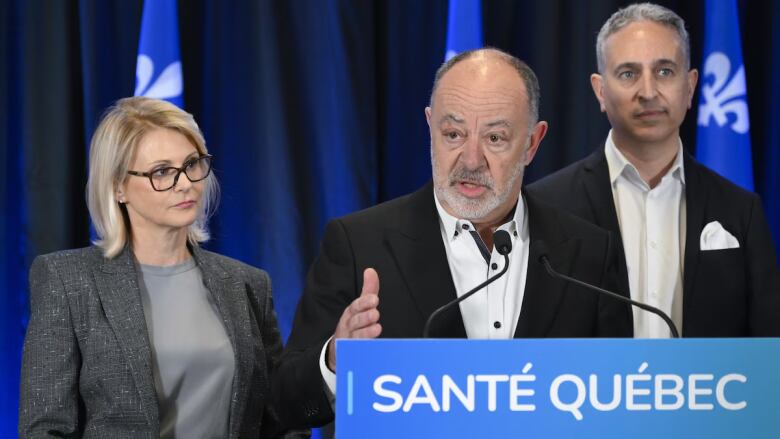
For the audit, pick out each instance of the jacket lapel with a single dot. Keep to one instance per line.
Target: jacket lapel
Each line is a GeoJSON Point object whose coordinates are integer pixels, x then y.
{"type": "Point", "coordinates": [696, 198]}
{"type": "Point", "coordinates": [230, 297]}
{"type": "Point", "coordinates": [420, 256]}
{"type": "Point", "coordinates": [543, 293]}
{"type": "Point", "coordinates": [117, 285]}
{"type": "Point", "coordinates": [599, 191]}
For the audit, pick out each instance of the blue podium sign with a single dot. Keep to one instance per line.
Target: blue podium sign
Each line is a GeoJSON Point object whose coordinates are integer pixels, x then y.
{"type": "Point", "coordinates": [589, 388]}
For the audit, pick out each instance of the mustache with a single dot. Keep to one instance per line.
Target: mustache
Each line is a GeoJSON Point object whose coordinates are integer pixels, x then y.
{"type": "Point", "coordinates": [477, 176]}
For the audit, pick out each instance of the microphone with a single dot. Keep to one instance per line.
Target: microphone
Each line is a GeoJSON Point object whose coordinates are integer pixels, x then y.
{"type": "Point", "coordinates": [541, 247]}
{"type": "Point", "coordinates": [503, 244]}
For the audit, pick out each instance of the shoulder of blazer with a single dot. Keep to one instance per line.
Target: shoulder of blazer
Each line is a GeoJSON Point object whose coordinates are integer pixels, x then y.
{"type": "Point", "coordinates": [405, 214]}
{"type": "Point", "coordinates": [553, 222]}
{"type": "Point", "coordinates": [570, 177]}
{"type": "Point", "coordinates": [704, 180]}
{"type": "Point", "coordinates": [73, 262]}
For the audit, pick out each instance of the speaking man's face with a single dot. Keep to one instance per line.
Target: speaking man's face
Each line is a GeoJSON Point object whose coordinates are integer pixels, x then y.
{"type": "Point", "coordinates": [645, 88]}
{"type": "Point", "coordinates": [480, 140]}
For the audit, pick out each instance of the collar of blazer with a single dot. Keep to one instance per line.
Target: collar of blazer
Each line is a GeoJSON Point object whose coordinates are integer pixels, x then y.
{"type": "Point", "coordinates": [422, 260]}
{"type": "Point", "coordinates": [117, 286]}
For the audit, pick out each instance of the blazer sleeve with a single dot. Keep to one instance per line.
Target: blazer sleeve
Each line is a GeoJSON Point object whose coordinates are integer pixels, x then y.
{"type": "Point", "coordinates": [49, 403]}
{"type": "Point", "coordinates": [763, 276]}
{"type": "Point", "coordinates": [262, 303]}
{"type": "Point", "coordinates": [330, 287]}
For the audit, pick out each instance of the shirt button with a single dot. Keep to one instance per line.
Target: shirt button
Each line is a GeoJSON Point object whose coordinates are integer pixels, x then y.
{"type": "Point", "coordinates": [456, 233]}
{"type": "Point", "coordinates": [515, 232]}
{"type": "Point", "coordinates": [497, 325]}
{"type": "Point", "coordinates": [653, 244]}
{"type": "Point", "coordinates": [494, 265]}
{"type": "Point", "coordinates": [465, 226]}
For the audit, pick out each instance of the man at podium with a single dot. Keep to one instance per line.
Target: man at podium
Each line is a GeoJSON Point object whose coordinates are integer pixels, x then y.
{"type": "Point", "coordinates": [383, 271]}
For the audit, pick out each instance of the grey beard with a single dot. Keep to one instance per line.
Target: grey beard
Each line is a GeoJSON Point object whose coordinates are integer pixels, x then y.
{"type": "Point", "coordinates": [470, 208]}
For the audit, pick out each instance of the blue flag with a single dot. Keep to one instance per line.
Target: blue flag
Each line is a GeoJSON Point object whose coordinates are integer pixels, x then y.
{"type": "Point", "coordinates": [723, 140]}
{"type": "Point", "coordinates": [464, 27]}
{"type": "Point", "coordinates": [158, 71]}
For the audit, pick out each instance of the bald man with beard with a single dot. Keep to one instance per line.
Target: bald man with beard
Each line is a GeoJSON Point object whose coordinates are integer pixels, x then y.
{"type": "Point", "coordinates": [382, 272]}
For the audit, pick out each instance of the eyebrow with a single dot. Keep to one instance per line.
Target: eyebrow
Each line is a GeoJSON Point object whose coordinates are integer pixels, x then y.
{"type": "Point", "coordinates": [503, 123]}
{"type": "Point", "coordinates": [637, 66]}
{"type": "Point", "coordinates": [168, 162]}
{"type": "Point", "coordinates": [665, 62]}
{"type": "Point", "coordinates": [451, 118]}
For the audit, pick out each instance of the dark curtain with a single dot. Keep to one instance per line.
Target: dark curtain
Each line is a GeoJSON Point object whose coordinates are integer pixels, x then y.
{"type": "Point", "coordinates": [312, 108]}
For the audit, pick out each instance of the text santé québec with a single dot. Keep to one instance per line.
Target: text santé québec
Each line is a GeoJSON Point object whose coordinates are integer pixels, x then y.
{"type": "Point", "coordinates": [635, 392]}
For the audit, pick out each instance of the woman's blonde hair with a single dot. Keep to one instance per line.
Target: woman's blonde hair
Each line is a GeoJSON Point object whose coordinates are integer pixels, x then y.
{"type": "Point", "coordinates": [112, 150]}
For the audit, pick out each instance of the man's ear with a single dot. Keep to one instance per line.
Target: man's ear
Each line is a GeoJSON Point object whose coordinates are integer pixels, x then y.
{"type": "Point", "coordinates": [693, 79]}
{"type": "Point", "coordinates": [540, 129]}
{"type": "Point", "coordinates": [597, 82]}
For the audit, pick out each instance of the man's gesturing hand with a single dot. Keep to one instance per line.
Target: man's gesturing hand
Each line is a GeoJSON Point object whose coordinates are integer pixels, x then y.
{"type": "Point", "coordinates": [361, 318]}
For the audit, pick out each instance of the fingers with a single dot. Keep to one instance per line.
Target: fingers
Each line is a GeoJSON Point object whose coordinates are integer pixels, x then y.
{"type": "Point", "coordinates": [361, 318]}
{"type": "Point", "coordinates": [369, 295]}
{"type": "Point", "coordinates": [370, 282]}
{"type": "Point", "coordinates": [371, 331]}
{"type": "Point", "coordinates": [358, 318]}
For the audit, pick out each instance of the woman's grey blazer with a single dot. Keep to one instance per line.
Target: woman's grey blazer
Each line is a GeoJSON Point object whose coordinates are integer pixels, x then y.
{"type": "Point", "coordinates": [87, 368]}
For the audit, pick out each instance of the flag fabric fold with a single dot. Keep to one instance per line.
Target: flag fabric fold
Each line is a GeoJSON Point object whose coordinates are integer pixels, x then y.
{"type": "Point", "coordinates": [723, 137]}
{"type": "Point", "coordinates": [464, 27]}
{"type": "Point", "coordinates": [158, 69]}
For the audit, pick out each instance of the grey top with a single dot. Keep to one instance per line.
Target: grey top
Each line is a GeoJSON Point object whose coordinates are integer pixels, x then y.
{"type": "Point", "coordinates": [192, 358]}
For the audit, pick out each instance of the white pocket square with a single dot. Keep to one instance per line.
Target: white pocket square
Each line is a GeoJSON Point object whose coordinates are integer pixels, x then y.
{"type": "Point", "coordinates": [715, 237]}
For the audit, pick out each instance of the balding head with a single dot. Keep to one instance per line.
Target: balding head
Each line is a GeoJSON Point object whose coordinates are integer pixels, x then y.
{"type": "Point", "coordinates": [483, 59]}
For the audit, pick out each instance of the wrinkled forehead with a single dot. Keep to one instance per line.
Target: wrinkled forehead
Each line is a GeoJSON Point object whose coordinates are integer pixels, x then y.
{"type": "Point", "coordinates": [481, 89]}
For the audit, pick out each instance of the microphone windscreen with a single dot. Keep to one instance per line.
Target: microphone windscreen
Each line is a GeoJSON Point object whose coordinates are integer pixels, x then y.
{"type": "Point", "coordinates": [502, 241]}
{"type": "Point", "coordinates": [541, 249]}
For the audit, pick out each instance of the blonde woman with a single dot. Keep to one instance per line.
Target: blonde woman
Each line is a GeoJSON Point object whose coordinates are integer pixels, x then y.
{"type": "Point", "coordinates": [145, 334]}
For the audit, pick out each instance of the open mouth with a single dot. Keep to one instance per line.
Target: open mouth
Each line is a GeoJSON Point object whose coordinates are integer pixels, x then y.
{"type": "Point", "coordinates": [470, 189]}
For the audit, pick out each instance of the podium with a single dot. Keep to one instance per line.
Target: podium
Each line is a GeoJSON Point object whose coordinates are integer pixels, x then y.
{"type": "Point", "coordinates": [558, 388]}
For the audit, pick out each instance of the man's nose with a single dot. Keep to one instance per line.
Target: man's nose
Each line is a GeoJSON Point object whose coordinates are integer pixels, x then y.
{"type": "Point", "coordinates": [473, 154]}
{"type": "Point", "coordinates": [648, 87]}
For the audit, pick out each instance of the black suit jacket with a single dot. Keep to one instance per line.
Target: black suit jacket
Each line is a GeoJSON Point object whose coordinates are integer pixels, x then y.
{"type": "Point", "coordinates": [87, 367]}
{"type": "Point", "coordinates": [726, 293]}
{"type": "Point", "coordinates": [401, 239]}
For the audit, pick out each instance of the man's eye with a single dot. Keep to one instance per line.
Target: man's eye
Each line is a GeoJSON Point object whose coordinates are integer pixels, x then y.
{"type": "Point", "coordinates": [665, 72]}
{"type": "Point", "coordinates": [452, 135]}
{"type": "Point", "coordinates": [494, 138]}
{"type": "Point", "coordinates": [626, 75]}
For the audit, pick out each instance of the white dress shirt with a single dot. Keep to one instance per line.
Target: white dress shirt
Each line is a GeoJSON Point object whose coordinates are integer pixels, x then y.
{"type": "Point", "coordinates": [492, 313]}
{"type": "Point", "coordinates": [652, 225]}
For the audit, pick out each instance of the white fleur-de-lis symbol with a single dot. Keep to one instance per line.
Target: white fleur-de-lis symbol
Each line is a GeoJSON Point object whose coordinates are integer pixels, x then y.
{"type": "Point", "coordinates": [721, 98]}
{"type": "Point", "coordinates": [167, 85]}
